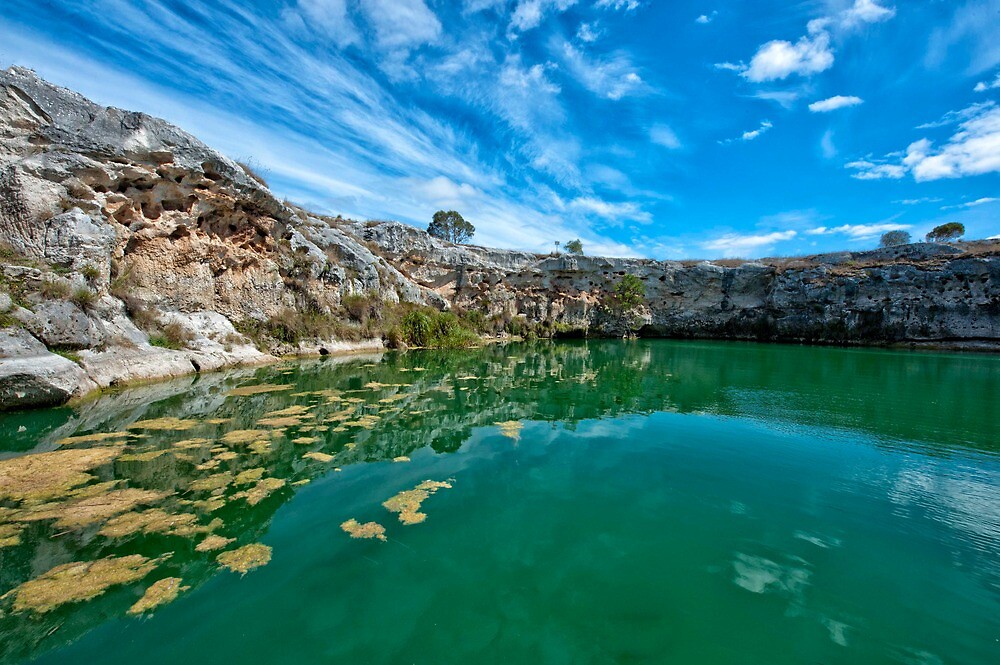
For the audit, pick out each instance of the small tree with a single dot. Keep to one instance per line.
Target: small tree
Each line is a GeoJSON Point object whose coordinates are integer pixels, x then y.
{"type": "Point", "coordinates": [628, 296]}
{"type": "Point", "coordinates": [450, 226]}
{"type": "Point", "coordinates": [890, 238]}
{"type": "Point", "coordinates": [946, 232]}
{"type": "Point", "coordinates": [574, 246]}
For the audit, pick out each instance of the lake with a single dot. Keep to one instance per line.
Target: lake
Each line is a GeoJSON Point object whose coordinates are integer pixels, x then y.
{"type": "Point", "coordinates": [589, 502]}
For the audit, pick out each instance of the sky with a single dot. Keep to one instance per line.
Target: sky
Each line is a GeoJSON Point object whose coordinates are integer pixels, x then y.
{"type": "Point", "coordinates": [653, 128]}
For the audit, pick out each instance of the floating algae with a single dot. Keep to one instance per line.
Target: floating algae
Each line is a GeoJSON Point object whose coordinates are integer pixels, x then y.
{"type": "Point", "coordinates": [305, 440]}
{"type": "Point", "coordinates": [154, 520]}
{"type": "Point", "coordinates": [401, 458]}
{"type": "Point", "coordinates": [211, 483]}
{"type": "Point", "coordinates": [249, 476]}
{"type": "Point", "coordinates": [243, 436]}
{"type": "Point", "coordinates": [168, 423]}
{"type": "Point", "coordinates": [10, 535]}
{"type": "Point", "coordinates": [260, 447]}
{"type": "Point", "coordinates": [92, 438]}
{"type": "Point", "coordinates": [143, 457]}
{"type": "Point", "coordinates": [245, 391]}
{"type": "Point", "coordinates": [210, 505]}
{"type": "Point", "coordinates": [407, 503]}
{"type": "Point", "coordinates": [89, 510]}
{"type": "Point", "coordinates": [209, 465]}
{"type": "Point", "coordinates": [226, 456]}
{"type": "Point", "coordinates": [159, 593]}
{"type": "Point", "coordinates": [43, 476]}
{"type": "Point", "coordinates": [79, 581]}
{"type": "Point", "coordinates": [217, 421]}
{"type": "Point", "coordinates": [366, 530]}
{"type": "Point", "coordinates": [319, 457]}
{"type": "Point", "coordinates": [213, 542]}
{"type": "Point", "coordinates": [280, 421]}
{"type": "Point", "coordinates": [295, 410]}
{"type": "Point", "coordinates": [246, 558]}
{"type": "Point", "coordinates": [264, 489]}
{"type": "Point", "coordinates": [511, 429]}
{"type": "Point", "coordinates": [190, 444]}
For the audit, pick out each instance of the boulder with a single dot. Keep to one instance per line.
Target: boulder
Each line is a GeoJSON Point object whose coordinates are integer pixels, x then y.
{"type": "Point", "coordinates": [60, 323]}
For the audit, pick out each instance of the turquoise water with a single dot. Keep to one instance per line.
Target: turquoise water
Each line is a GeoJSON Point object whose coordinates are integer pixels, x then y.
{"type": "Point", "coordinates": [648, 501]}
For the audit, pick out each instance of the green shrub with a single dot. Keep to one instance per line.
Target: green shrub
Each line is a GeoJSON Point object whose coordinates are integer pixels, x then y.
{"type": "Point", "coordinates": [55, 289]}
{"type": "Point", "coordinates": [417, 329]}
{"type": "Point", "coordinates": [90, 273]}
{"type": "Point", "coordinates": [83, 298]}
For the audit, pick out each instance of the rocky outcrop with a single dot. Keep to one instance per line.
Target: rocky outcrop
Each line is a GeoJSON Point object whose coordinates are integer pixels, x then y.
{"type": "Point", "coordinates": [135, 251]}
{"type": "Point", "coordinates": [912, 293]}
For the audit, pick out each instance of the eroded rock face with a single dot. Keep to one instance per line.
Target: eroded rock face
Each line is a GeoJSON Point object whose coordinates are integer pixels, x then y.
{"type": "Point", "coordinates": [120, 217]}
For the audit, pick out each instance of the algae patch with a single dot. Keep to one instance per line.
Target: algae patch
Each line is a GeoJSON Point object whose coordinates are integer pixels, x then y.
{"type": "Point", "coordinates": [43, 476]}
{"type": "Point", "coordinates": [407, 503]}
{"type": "Point", "coordinates": [79, 581]}
{"type": "Point", "coordinates": [246, 558]}
{"type": "Point", "coordinates": [366, 530]}
{"type": "Point", "coordinates": [213, 542]}
{"type": "Point", "coordinates": [245, 391]}
{"type": "Point", "coordinates": [159, 593]}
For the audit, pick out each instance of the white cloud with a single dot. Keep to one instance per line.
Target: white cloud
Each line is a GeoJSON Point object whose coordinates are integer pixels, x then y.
{"type": "Point", "coordinates": [705, 19]}
{"type": "Point", "coordinates": [401, 24]}
{"type": "Point", "coordinates": [827, 146]}
{"type": "Point", "coordinates": [859, 231]}
{"type": "Point", "coordinates": [972, 204]}
{"type": "Point", "coordinates": [778, 59]}
{"type": "Point", "coordinates": [913, 202]}
{"type": "Point", "coordinates": [664, 136]}
{"type": "Point", "coordinates": [614, 212]}
{"type": "Point", "coordinates": [613, 77]}
{"type": "Point", "coordinates": [588, 32]}
{"type": "Point", "coordinates": [954, 117]}
{"type": "Point", "coordinates": [529, 14]}
{"type": "Point", "coordinates": [784, 98]}
{"type": "Point", "coordinates": [326, 17]}
{"type": "Point", "coordinates": [868, 170]}
{"type": "Point", "coordinates": [983, 86]}
{"type": "Point", "coordinates": [734, 244]}
{"type": "Point", "coordinates": [751, 134]}
{"type": "Point", "coordinates": [973, 150]}
{"type": "Point", "coordinates": [834, 103]}
{"type": "Point", "coordinates": [865, 11]}
{"type": "Point", "coordinates": [627, 5]}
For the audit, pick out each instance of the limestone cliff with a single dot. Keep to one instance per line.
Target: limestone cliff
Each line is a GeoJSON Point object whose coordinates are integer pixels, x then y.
{"type": "Point", "coordinates": [117, 228]}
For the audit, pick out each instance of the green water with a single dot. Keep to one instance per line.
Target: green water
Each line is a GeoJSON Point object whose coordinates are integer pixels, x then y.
{"type": "Point", "coordinates": [656, 502]}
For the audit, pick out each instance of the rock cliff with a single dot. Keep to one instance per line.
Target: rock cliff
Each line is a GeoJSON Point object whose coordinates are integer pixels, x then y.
{"type": "Point", "coordinates": [131, 250]}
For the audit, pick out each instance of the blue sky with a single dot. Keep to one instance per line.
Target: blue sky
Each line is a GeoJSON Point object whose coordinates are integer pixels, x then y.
{"type": "Point", "coordinates": [667, 129]}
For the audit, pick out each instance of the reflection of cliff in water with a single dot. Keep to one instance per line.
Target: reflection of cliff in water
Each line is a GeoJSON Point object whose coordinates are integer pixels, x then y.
{"type": "Point", "coordinates": [201, 462]}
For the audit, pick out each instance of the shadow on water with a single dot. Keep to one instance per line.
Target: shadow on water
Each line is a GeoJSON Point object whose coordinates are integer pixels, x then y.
{"type": "Point", "coordinates": [191, 463]}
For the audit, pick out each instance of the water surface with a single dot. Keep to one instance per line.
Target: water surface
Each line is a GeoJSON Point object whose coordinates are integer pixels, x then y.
{"type": "Point", "coordinates": [609, 502]}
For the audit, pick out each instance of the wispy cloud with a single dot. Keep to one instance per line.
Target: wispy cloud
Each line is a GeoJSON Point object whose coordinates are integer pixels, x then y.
{"type": "Point", "coordinates": [612, 76]}
{"type": "Point", "coordinates": [735, 244]}
{"type": "Point", "coordinates": [972, 204]}
{"type": "Point", "coordinates": [834, 103]}
{"type": "Point", "coordinates": [859, 231]}
{"type": "Point", "coordinates": [529, 14]}
{"type": "Point", "coordinates": [623, 5]}
{"type": "Point", "coordinates": [983, 86]}
{"type": "Point", "coordinates": [751, 134]}
{"type": "Point", "coordinates": [612, 212]}
{"type": "Point", "coordinates": [663, 135]}
{"type": "Point", "coordinates": [973, 149]}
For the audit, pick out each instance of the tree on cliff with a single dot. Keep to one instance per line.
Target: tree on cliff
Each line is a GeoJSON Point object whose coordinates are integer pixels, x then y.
{"type": "Point", "coordinates": [451, 226]}
{"type": "Point", "coordinates": [574, 246]}
{"type": "Point", "coordinates": [623, 303]}
{"type": "Point", "coordinates": [946, 232]}
{"type": "Point", "coordinates": [890, 238]}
